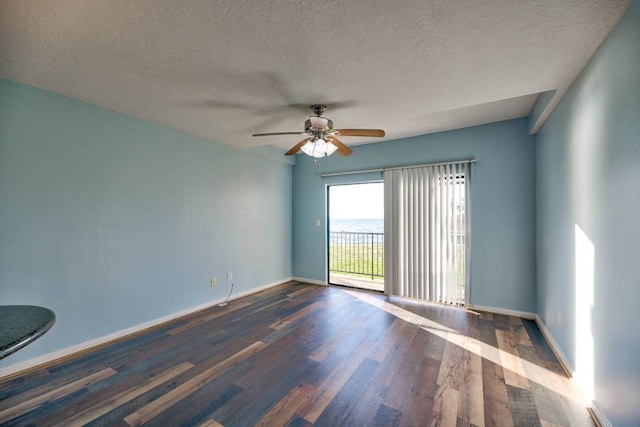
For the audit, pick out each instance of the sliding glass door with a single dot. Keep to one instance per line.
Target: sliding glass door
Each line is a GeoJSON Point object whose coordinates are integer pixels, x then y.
{"type": "Point", "coordinates": [356, 235]}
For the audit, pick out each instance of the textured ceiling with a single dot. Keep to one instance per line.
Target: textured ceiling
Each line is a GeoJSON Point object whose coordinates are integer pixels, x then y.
{"type": "Point", "coordinates": [223, 70]}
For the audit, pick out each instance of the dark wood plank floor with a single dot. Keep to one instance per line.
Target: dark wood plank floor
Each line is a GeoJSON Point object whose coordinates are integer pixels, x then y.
{"type": "Point", "coordinates": [302, 355]}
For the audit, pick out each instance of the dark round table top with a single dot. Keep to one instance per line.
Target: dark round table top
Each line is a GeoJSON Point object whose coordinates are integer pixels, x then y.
{"type": "Point", "coordinates": [21, 325]}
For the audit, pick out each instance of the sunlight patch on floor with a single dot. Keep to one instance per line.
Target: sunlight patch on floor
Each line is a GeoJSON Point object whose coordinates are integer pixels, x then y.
{"type": "Point", "coordinates": [509, 362]}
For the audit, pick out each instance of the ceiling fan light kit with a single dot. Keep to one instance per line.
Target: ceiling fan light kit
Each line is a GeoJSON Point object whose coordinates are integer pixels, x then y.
{"type": "Point", "coordinates": [321, 140]}
{"type": "Point", "coordinates": [318, 148]}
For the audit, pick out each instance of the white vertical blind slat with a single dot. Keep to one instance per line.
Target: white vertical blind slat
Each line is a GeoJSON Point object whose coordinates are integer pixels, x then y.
{"type": "Point", "coordinates": [432, 222]}
{"type": "Point", "coordinates": [450, 282]}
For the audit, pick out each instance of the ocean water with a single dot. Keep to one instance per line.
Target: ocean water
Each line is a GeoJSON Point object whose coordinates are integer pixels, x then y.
{"type": "Point", "coordinates": [357, 225]}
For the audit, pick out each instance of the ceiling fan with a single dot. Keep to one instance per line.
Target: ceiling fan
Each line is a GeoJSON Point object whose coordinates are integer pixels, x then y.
{"type": "Point", "coordinates": [322, 138]}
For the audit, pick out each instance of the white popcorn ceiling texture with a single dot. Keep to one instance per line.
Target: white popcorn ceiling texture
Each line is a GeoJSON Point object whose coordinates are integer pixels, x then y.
{"type": "Point", "coordinates": [223, 70]}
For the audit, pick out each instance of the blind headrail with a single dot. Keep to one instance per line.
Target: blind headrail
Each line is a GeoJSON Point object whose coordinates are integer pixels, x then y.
{"type": "Point", "coordinates": [322, 175]}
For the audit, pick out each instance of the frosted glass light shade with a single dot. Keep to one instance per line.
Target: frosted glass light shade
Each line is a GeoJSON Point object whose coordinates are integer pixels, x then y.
{"type": "Point", "coordinates": [331, 148]}
{"type": "Point", "coordinates": [319, 148]}
{"type": "Point", "coordinates": [308, 148]}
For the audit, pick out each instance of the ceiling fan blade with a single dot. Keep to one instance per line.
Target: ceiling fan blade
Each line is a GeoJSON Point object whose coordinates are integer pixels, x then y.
{"type": "Point", "coordinates": [296, 147]}
{"type": "Point", "coordinates": [361, 132]}
{"type": "Point", "coordinates": [279, 133]}
{"type": "Point", "coordinates": [343, 150]}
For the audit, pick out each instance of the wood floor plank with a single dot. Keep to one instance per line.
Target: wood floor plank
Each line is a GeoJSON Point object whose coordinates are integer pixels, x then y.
{"type": "Point", "coordinates": [104, 391]}
{"type": "Point", "coordinates": [272, 357]}
{"type": "Point", "coordinates": [454, 366]}
{"type": "Point", "coordinates": [204, 318]}
{"type": "Point", "coordinates": [416, 401]}
{"type": "Point", "coordinates": [306, 311]}
{"type": "Point", "coordinates": [501, 322]}
{"type": "Point", "coordinates": [201, 405]}
{"type": "Point", "coordinates": [445, 407]}
{"type": "Point", "coordinates": [14, 409]}
{"type": "Point", "coordinates": [302, 290]}
{"type": "Point", "coordinates": [549, 405]}
{"type": "Point", "coordinates": [105, 406]}
{"type": "Point", "coordinates": [497, 411]}
{"type": "Point", "coordinates": [514, 373]}
{"type": "Point", "coordinates": [146, 413]}
{"type": "Point", "coordinates": [302, 355]}
{"type": "Point", "coordinates": [334, 341]}
{"type": "Point", "coordinates": [285, 409]}
{"type": "Point", "coordinates": [329, 388]}
{"type": "Point", "coordinates": [396, 346]}
{"type": "Point", "coordinates": [542, 348]}
{"type": "Point", "coordinates": [454, 371]}
{"type": "Point", "coordinates": [39, 385]}
{"type": "Point", "coordinates": [278, 378]}
{"type": "Point", "coordinates": [89, 360]}
{"type": "Point", "coordinates": [296, 421]}
{"type": "Point", "coordinates": [339, 409]}
{"type": "Point", "coordinates": [12, 384]}
{"type": "Point", "coordinates": [386, 417]}
{"type": "Point", "coordinates": [486, 316]}
{"type": "Point", "coordinates": [520, 334]}
{"type": "Point", "coordinates": [523, 407]}
{"type": "Point", "coordinates": [471, 402]}
{"type": "Point", "coordinates": [387, 342]}
{"type": "Point", "coordinates": [248, 407]}
{"type": "Point", "coordinates": [366, 406]}
{"type": "Point", "coordinates": [486, 333]}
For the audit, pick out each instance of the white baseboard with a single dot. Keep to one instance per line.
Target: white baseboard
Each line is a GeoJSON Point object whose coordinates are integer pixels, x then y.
{"type": "Point", "coordinates": [557, 350]}
{"type": "Point", "coordinates": [601, 419]}
{"type": "Point", "coordinates": [504, 311]}
{"type": "Point", "coordinates": [50, 357]}
{"type": "Point", "coordinates": [310, 281]}
{"type": "Point", "coordinates": [599, 416]}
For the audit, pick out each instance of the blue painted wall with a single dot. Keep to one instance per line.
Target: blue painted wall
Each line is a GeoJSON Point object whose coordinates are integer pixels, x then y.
{"type": "Point", "coordinates": [503, 205]}
{"type": "Point", "coordinates": [112, 221]}
{"type": "Point", "coordinates": [589, 177]}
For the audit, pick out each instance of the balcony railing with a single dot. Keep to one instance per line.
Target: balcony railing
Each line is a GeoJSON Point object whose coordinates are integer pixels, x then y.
{"type": "Point", "coordinates": [357, 253]}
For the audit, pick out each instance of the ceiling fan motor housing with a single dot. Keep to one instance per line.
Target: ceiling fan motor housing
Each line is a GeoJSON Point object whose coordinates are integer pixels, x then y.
{"type": "Point", "coordinates": [317, 124]}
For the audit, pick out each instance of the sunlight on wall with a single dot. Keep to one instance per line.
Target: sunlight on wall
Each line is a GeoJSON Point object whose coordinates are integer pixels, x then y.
{"type": "Point", "coordinates": [584, 289]}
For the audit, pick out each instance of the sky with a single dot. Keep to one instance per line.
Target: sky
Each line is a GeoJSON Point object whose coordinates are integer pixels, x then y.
{"type": "Point", "coordinates": [356, 201]}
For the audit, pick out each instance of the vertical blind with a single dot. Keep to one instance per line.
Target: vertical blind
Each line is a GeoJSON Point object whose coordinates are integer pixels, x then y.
{"type": "Point", "coordinates": [426, 232]}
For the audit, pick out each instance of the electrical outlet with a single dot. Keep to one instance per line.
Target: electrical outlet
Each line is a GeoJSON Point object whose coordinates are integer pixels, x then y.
{"type": "Point", "coordinates": [229, 277]}
{"type": "Point", "coordinates": [213, 281]}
